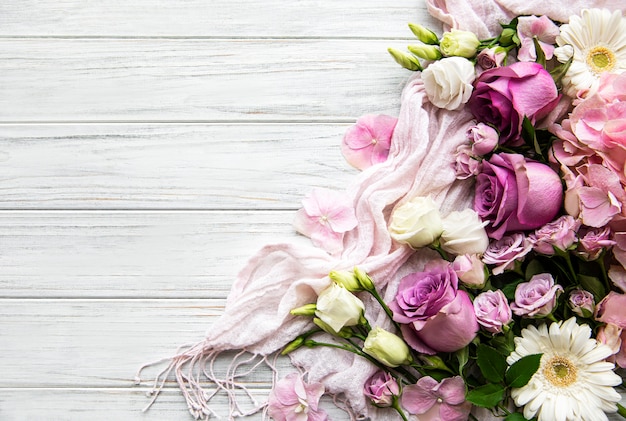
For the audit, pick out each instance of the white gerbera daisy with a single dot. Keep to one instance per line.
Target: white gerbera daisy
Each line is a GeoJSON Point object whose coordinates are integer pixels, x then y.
{"type": "Point", "coordinates": [573, 381]}
{"type": "Point", "coordinates": [597, 40]}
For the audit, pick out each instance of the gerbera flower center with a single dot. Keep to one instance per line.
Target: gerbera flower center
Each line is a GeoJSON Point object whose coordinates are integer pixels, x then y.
{"type": "Point", "coordinates": [560, 371]}
{"type": "Point", "coordinates": [600, 59]}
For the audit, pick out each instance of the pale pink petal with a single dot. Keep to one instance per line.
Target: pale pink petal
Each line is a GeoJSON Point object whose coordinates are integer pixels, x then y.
{"type": "Point", "coordinates": [452, 390]}
{"type": "Point", "coordinates": [454, 412]}
{"type": "Point", "coordinates": [418, 400]}
{"type": "Point", "coordinates": [304, 223]}
{"type": "Point", "coordinates": [368, 141]}
{"type": "Point", "coordinates": [342, 219]}
{"type": "Point", "coordinates": [597, 207]}
{"type": "Point", "coordinates": [358, 137]}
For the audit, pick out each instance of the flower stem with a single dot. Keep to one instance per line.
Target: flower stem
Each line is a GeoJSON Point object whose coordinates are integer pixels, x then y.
{"type": "Point", "coordinates": [384, 306]}
{"type": "Point", "coordinates": [398, 408]}
{"type": "Point", "coordinates": [621, 410]}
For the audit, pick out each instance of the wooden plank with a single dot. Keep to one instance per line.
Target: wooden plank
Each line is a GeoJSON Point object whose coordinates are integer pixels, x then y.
{"type": "Point", "coordinates": [242, 18]}
{"type": "Point", "coordinates": [81, 80]}
{"type": "Point", "coordinates": [107, 404]}
{"type": "Point", "coordinates": [168, 166]}
{"type": "Point", "coordinates": [132, 254]}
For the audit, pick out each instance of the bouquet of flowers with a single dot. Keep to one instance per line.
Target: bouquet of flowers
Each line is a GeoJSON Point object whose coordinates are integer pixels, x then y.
{"type": "Point", "coordinates": [521, 307]}
{"type": "Point", "coordinates": [477, 266]}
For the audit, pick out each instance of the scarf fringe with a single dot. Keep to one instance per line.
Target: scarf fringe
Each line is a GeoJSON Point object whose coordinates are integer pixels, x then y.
{"type": "Point", "coordinates": [194, 365]}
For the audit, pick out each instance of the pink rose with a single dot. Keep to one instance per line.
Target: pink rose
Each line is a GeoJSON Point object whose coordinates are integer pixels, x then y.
{"type": "Point", "coordinates": [537, 297]}
{"type": "Point", "coordinates": [506, 251]}
{"type": "Point", "coordinates": [466, 165]}
{"type": "Point", "coordinates": [504, 95]}
{"type": "Point", "coordinates": [368, 141]}
{"type": "Point", "coordinates": [483, 138]}
{"type": "Point", "coordinates": [612, 309]}
{"type": "Point", "coordinates": [381, 389]}
{"type": "Point", "coordinates": [593, 241]}
{"type": "Point", "coordinates": [490, 58]}
{"type": "Point", "coordinates": [514, 194]}
{"type": "Point", "coordinates": [542, 28]}
{"type": "Point", "coordinates": [434, 401]}
{"type": "Point", "coordinates": [428, 303]}
{"type": "Point", "coordinates": [292, 399]}
{"type": "Point", "coordinates": [581, 302]}
{"type": "Point", "coordinates": [560, 233]}
{"type": "Point", "coordinates": [492, 310]}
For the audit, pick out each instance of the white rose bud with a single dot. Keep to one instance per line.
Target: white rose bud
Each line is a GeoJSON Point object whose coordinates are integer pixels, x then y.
{"type": "Point", "coordinates": [338, 308]}
{"type": "Point", "coordinates": [459, 43]}
{"type": "Point", "coordinates": [464, 233]}
{"type": "Point", "coordinates": [387, 348]}
{"type": "Point", "coordinates": [448, 82]}
{"type": "Point", "coordinates": [417, 223]}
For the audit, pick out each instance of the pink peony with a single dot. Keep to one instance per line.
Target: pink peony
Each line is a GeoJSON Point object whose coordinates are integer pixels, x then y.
{"type": "Point", "coordinates": [504, 95]}
{"type": "Point", "coordinates": [537, 297]}
{"type": "Point", "coordinates": [428, 303]}
{"type": "Point", "coordinates": [601, 198]}
{"type": "Point", "coordinates": [515, 194]}
{"type": "Point", "coordinates": [614, 337]}
{"type": "Point", "coordinates": [434, 401]}
{"type": "Point", "coordinates": [612, 309]}
{"type": "Point", "coordinates": [292, 399]}
{"type": "Point", "coordinates": [529, 27]}
{"type": "Point", "coordinates": [325, 216]}
{"type": "Point", "coordinates": [368, 141]}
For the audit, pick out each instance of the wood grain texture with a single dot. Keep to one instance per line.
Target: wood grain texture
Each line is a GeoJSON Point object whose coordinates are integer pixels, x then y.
{"type": "Point", "coordinates": [168, 166]}
{"type": "Point", "coordinates": [132, 254]}
{"type": "Point", "coordinates": [196, 79]}
{"type": "Point", "coordinates": [215, 18]}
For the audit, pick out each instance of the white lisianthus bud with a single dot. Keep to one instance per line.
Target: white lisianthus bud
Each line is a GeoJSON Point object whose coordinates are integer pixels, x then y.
{"type": "Point", "coordinates": [448, 82]}
{"type": "Point", "coordinates": [346, 279]}
{"type": "Point", "coordinates": [427, 52]}
{"type": "Point", "coordinates": [459, 43]}
{"type": "Point", "coordinates": [387, 348]}
{"type": "Point", "coordinates": [424, 34]}
{"type": "Point", "coordinates": [338, 307]}
{"type": "Point", "coordinates": [417, 223]}
{"type": "Point", "coordinates": [464, 233]}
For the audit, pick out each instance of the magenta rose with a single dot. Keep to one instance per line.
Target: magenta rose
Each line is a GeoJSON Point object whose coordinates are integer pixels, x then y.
{"type": "Point", "coordinates": [504, 95]}
{"type": "Point", "coordinates": [537, 297]}
{"type": "Point", "coordinates": [514, 194]}
{"type": "Point", "coordinates": [429, 303]}
{"type": "Point", "coordinates": [381, 389]}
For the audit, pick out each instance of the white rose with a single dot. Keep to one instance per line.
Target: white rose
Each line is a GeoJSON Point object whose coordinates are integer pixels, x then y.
{"type": "Point", "coordinates": [448, 82]}
{"type": "Point", "coordinates": [470, 270]}
{"type": "Point", "coordinates": [417, 223]}
{"type": "Point", "coordinates": [464, 233]}
{"type": "Point", "coordinates": [338, 307]}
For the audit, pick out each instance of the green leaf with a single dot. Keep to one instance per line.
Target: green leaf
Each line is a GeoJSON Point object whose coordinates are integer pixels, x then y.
{"type": "Point", "coordinates": [534, 267]}
{"type": "Point", "coordinates": [515, 416]}
{"type": "Point", "coordinates": [593, 285]}
{"type": "Point", "coordinates": [486, 396]}
{"type": "Point", "coordinates": [559, 71]}
{"type": "Point", "coordinates": [462, 356]}
{"type": "Point", "coordinates": [509, 289]}
{"type": "Point", "coordinates": [529, 135]}
{"type": "Point", "coordinates": [519, 374]}
{"type": "Point", "coordinates": [541, 56]}
{"type": "Point", "coordinates": [491, 363]}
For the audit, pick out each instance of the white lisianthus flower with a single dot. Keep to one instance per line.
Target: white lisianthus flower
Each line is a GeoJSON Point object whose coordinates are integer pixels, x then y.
{"type": "Point", "coordinates": [416, 223]}
{"type": "Point", "coordinates": [573, 382]}
{"type": "Point", "coordinates": [387, 348]}
{"type": "Point", "coordinates": [464, 233]}
{"type": "Point", "coordinates": [338, 307]}
{"type": "Point", "coordinates": [448, 82]}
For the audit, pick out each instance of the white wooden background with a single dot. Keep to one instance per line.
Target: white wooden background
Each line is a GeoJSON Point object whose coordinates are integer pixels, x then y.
{"type": "Point", "coordinates": [147, 149]}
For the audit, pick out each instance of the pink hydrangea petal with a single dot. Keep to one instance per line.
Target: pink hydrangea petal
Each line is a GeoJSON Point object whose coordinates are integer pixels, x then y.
{"type": "Point", "coordinates": [454, 412]}
{"type": "Point", "coordinates": [417, 399]}
{"type": "Point", "coordinates": [326, 239]}
{"type": "Point", "coordinates": [452, 390]}
{"type": "Point", "coordinates": [304, 223]}
{"type": "Point", "coordinates": [342, 219]}
{"type": "Point", "coordinates": [383, 128]}
{"type": "Point", "coordinates": [358, 137]}
{"type": "Point", "coordinates": [368, 141]}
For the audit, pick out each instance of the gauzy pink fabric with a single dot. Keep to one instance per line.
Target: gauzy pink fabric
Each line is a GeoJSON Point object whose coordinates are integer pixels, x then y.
{"type": "Point", "coordinates": [284, 276]}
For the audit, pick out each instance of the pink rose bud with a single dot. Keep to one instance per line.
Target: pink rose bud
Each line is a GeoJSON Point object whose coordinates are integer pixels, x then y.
{"type": "Point", "coordinates": [582, 302]}
{"type": "Point", "coordinates": [492, 311]}
{"type": "Point", "coordinates": [612, 309]}
{"type": "Point", "coordinates": [560, 234]}
{"type": "Point", "coordinates": [381, 389]}
{"type": "Point", "coordinates": [503, 253]}
{"type": "Point", "coordinates": [484, 139]}
{"type": "Point", "coordinates": [490, 58]}
{"type": "Point", "coordinates": [466, 165]}
{"type": "Point", "coordinates": [470, 270]}
{"type": "Point", "coordinates": [537, 297]}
